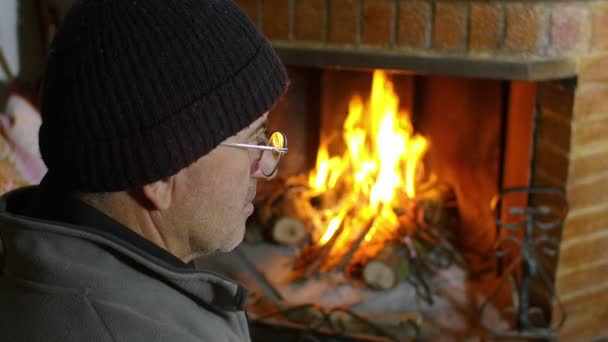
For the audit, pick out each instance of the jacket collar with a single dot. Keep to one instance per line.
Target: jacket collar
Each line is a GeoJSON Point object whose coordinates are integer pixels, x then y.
{"type": "Point", "coordinates": [51, 204]}
{"type": "Point", "coordinates": [203, 287]}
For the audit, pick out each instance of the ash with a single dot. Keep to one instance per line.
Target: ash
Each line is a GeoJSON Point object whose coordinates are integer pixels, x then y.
{"type": "Point", "coordinates": [265, 270]}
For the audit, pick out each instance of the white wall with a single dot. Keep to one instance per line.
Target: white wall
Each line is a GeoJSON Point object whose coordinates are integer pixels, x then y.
{"type": "Point", "coordinates": [21, 42]}
{"type": "Point", "coordinates": [8, 35]}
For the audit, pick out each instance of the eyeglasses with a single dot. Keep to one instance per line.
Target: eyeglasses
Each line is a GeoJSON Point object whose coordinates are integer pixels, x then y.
{"type": "Point", "coordinates": [272, 152]}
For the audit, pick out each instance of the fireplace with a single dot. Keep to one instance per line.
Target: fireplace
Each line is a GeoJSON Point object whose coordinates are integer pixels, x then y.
{"type": "Point", "coordinates": [512, 99]}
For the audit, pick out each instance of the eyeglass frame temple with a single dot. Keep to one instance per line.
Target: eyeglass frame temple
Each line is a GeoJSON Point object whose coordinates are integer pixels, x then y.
{"type": "Point", "coordinates": [281, 150]}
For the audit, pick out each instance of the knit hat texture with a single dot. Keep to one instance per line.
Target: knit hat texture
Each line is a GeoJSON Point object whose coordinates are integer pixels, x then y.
{"type": "Point", "coordinates": [136, 90]}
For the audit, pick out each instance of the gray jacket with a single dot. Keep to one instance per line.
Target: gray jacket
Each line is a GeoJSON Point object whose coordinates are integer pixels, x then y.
{"type": "Point", "coordinates": [61, 283]}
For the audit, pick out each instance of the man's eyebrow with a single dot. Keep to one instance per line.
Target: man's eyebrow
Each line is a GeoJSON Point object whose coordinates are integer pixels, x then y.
{"type": "Point", "coordinates": [261, 125]}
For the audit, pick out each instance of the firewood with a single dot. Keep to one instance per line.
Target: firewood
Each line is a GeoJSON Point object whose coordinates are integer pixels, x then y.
{"type": "Point", "coordinates": [407, 225]}
{"type": "Point", "coordinates": [295, 204]}
{"type": "Point", "coordinates": [283, 211]}
{"type": "Point", "coordinates": [388, 268]}
{"type": "Point", "coordinates": [290, 218]}
{"type": "Point", "coordinates": [350, 322]}
{"type": "Point", "coordinates": [432, 205]}
{"type": "Point", "coordinates": [354, 247]}
{"type": "Point", "coordinates": [313, 257]}
{"type": "Point", "coordinates": [289, 231]}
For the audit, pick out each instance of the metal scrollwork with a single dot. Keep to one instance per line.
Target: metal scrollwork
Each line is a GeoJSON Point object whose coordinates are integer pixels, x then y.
{"type": "Point", "coordinates": [530, 243]}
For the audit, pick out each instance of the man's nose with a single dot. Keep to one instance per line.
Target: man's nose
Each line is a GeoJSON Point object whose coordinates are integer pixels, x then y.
{"type": "Point", "coordinates": [260, 174]}
{"type": "Point", "coordinates": [266, 162]}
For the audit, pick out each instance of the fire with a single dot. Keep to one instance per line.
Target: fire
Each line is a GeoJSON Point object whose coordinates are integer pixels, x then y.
{"type": "Point", "coordinates": [376, 173]}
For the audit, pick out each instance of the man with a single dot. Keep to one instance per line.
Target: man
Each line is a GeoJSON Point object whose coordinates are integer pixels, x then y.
{"type": "Point", "coordinates": [154, 137]}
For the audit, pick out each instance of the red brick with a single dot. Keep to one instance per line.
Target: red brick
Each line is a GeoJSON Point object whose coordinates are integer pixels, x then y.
{"type": "Point", "coordinates": [567, 31]}
{"type": "Point", "coordinates": [486, 25]}
{"type": "Point", "coordinates": [276, 19]}
{"type": "Point", "coordinates": [587, 317]}
{"type": "Point", "coordinates": [584, 299]}
{"type": "Point", "coordinates": [594, 68]}
{"type": "Point", "coordinates": [553, 127]}
{"type": "Point", "coordinates": [523, 27]}
{"type": "Point", "coordinates": [585, 195]}
{"type": "Point", "coordinates": [344, 21]}
{"type": "Point", "coordinates": [587, 132]}
{"type": "Point", "coordinates": [377, 22]}
{"type": "Point", "coordinates": [310, 15]}
{"type": "Point", "coordinates": [591, 327]}
{"type": "Point", "coordinates": [250, 7]}
{"type": "Point", "coordinates": [414, 23]}
{"type": "Point", "coordinates": [449, 26]}
{"type": "Point", "coordinates": [591, 99]}
{"type": "Point", "coordinates": [552, 161]}
{"type": "Point", "coordinates": [589, 164]}
{"type": "Point", "coordinates": [583, 252]}
{"type": "Point", "coordinates": [557, 98]}
{"type": "Point", "coordinates": [545, 178]}
{"type": "Point", "coordinates": [587, 223]}
{"type": "Point", "coordinates": [599, 26]}
{"type": "Point", "coordinates": [573, 281]}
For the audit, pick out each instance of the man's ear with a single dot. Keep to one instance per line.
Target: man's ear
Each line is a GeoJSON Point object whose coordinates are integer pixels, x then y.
{"type": "Point", "coordinates": [160, 193]}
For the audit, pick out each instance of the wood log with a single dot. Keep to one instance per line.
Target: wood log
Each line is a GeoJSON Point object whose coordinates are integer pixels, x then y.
{"type": "Point", "coordinates": [354, 247]}
{"type": "Point", "coordinates": [291, 218]}
{"type": "Point", "coordinates": [407, 225]}
{"type": "Point", "coordinates": [313, 257]}
{"type": "Point", "coordinates": [388, 268]}
{"type": "Point", "coordinates": [289, 231]}
{"type": "Point", "coordinates": [364, 323]}
{"type": "Point", "coordinates": [283, 212]}
{"type": "Point", "coordinates": [295, 204]}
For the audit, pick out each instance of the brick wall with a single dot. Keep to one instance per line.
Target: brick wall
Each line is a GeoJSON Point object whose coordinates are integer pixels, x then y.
{"type": "Point", "coordinates": [507, 29]}
{"type": "Point", "coordinates": [582, 273]}
{"type": "Point", "coordinates": [553, 138]}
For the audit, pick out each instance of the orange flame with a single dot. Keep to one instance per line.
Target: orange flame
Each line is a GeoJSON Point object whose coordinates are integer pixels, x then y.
{"type": "Point", "coordinates": [378, 170]}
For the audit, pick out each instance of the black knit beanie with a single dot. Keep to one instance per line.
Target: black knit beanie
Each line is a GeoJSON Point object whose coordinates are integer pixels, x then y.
{"type": "Point", "coordinates": [136, 90]}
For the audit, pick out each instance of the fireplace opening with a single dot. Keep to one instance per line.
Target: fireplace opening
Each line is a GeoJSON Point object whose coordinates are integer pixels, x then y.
{"type": "Point", "coordinates": [387, 206]}
{"type": "Point", "coordinates": [452, 130]}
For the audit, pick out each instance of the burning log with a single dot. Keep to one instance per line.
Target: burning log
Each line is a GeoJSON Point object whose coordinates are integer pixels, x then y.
{"type": "Point", "coordinates": [388, 268]}
{"type": "Point", "coordinates": [289, 231]}
{"type": "Point", "coordinates": [314, 257]}
{"type": "Point", "coordinates": [283, 213]}
{"type": "Point", "coordinates": [354, 247]}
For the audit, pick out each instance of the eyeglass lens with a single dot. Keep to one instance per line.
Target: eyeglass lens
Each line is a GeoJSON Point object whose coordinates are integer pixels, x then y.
{"type": "Point", "coordinates": [270, 159]}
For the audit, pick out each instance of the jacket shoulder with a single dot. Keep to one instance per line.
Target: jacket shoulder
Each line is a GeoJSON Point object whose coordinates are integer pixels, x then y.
{"type": "Point", "coordinates": [31, 312]}
{"type": "Point", "coordinates": [36, 312]}
{"type": "Point", "coordinates": [126, 323]}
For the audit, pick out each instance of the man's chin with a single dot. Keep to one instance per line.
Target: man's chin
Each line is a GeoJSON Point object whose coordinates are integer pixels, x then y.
{"type": "Point", "coordinates": [248, 210]}
{"type": "Point", "coordinates": [228, 247]}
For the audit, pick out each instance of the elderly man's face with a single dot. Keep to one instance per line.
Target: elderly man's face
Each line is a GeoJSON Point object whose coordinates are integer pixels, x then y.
{"type": "Point", "coordinates": [215, 194]}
